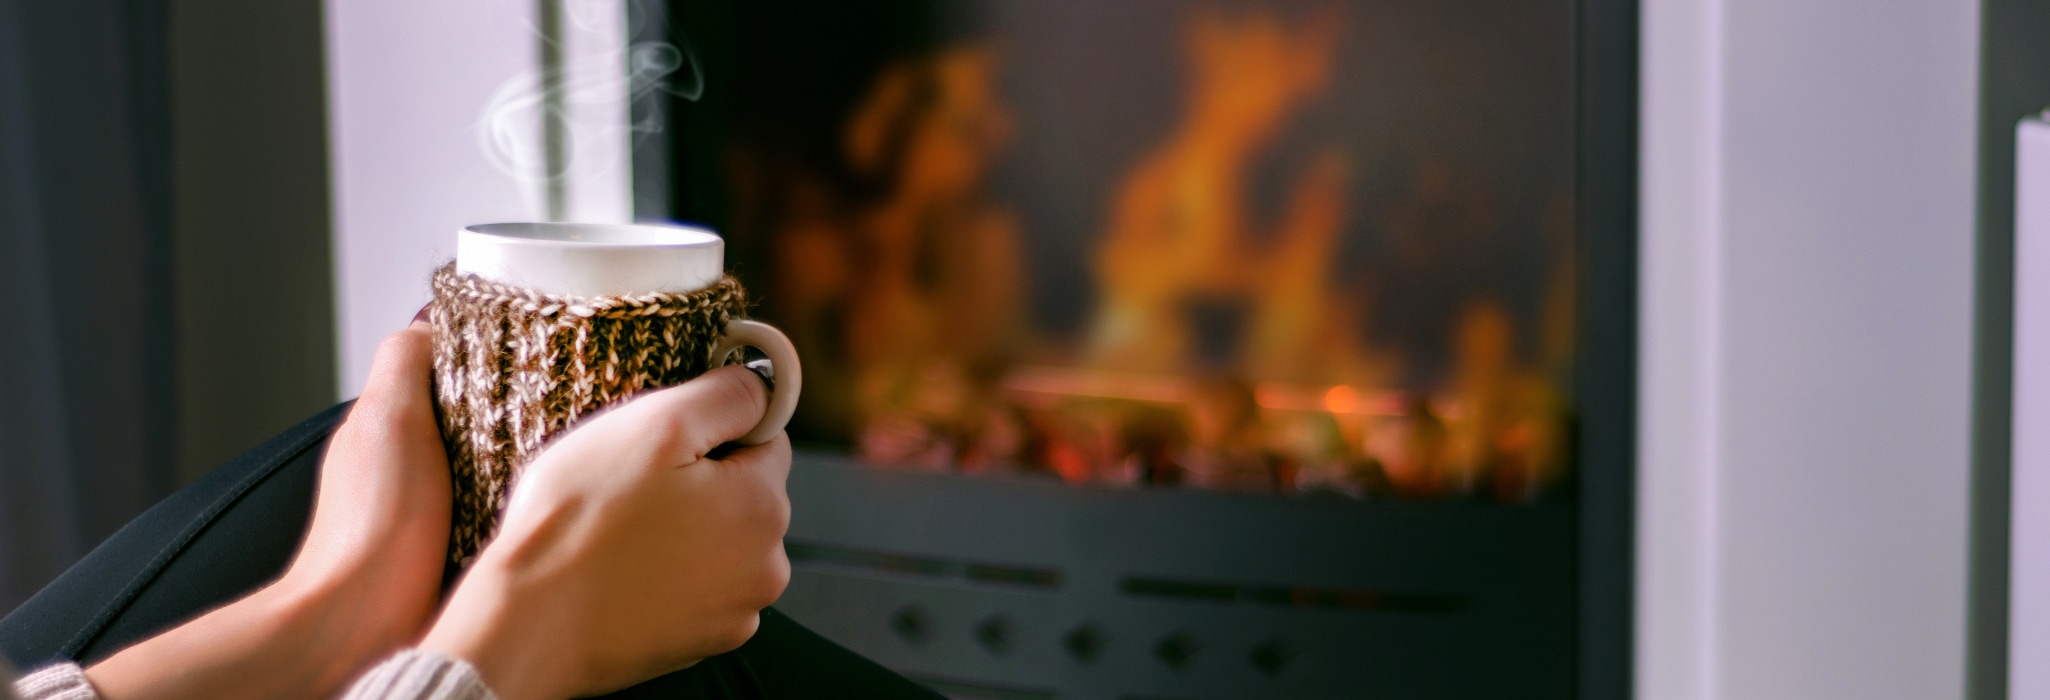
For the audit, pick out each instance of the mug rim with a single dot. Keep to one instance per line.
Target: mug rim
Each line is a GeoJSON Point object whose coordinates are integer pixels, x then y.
{"type": "Point", "coordinates": [514, 233]}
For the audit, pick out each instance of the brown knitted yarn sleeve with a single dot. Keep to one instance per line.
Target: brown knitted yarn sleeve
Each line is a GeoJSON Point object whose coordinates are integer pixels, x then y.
{"type": "Point", "coordinates": [513, 367]}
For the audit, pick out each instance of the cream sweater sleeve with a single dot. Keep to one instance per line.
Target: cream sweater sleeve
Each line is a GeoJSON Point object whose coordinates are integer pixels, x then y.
{"type": "Point", "coordinates": [410, 675]}
{"type": "Point", "coordinates": [420, 675]}
{"type": "Point", "coordinates": [65, 681]}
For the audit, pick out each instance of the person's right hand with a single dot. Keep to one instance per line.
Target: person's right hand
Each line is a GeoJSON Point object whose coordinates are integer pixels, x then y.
{"type": "Point", "coordinates": [627, 552]}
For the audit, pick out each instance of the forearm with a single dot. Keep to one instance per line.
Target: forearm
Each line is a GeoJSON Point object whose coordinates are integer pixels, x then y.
{"type": "Point", "coordinates": [282, 641]}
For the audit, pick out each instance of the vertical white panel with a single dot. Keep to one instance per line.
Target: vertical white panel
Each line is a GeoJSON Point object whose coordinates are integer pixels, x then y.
{"type": "Point", "coordinates": [1806, 349]}
{"type": "Point", "coordinates": [2029, 557]}
{"type": "Point", "coordinates": [435, 123]}
{"type": "Point", "coordinates": [1679, 274]}
{"type": "Point", "coordinates": [407, 85]}
{"type": "Point", "coordinates": [1847, 180]}
{"type": "Point", "coordinates": [595, 63]}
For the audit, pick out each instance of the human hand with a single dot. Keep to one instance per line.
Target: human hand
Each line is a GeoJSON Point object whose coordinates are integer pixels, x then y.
{"type": "Point", "coordinates": [366, 578]}
{"type": "Point", "coordinates": [380, 527]}
{"type": "Point", "coordinates": [627, 551]}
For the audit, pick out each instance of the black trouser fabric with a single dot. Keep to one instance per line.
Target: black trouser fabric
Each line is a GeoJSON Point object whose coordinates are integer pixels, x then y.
{"type": "Point", "coordinates": [236, 529]}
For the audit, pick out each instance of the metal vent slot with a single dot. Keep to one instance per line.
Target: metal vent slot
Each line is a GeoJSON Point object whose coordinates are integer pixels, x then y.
{"type": "Point", "coordinates": [1295, 596]}
{"type": "Point", "coordinates": [895, 563]}
{"type": "Point", "coordinates": [965, 690]}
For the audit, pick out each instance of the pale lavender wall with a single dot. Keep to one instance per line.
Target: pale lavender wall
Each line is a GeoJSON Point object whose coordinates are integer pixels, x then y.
{"type": "Point", "coordinates": [2029, 565]}
{"type": "Point", "coordinates": [1807, 314]}
{"type": "Point", "coordinates": [407, 82]}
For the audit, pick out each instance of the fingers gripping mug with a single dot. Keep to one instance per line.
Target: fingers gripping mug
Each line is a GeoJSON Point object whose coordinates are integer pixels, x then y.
{"type": "Point", "coordinates": [539, 324]}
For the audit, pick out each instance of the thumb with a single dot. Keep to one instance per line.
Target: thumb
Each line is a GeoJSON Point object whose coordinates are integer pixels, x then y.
{"type": "Point", "coordinates": [689, 419]}
{"type": "Point", "coordinates": [401, 374]}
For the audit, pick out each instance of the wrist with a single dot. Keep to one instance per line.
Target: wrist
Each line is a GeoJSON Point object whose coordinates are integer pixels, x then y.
{"type": "Point", "coordinates": [317, 636]}
{"type": "Point", "coordinates": [487, 626]}
{"type": "Point", "coordinates": [327, 594]}
{"type": "Point", "coordinates": [335, 626]}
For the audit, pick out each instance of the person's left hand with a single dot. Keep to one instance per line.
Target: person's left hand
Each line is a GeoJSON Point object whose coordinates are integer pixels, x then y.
{"type": "Point", "coordinates": [373, 555]}
{"type": "Point", "coordinates": [365, 581]}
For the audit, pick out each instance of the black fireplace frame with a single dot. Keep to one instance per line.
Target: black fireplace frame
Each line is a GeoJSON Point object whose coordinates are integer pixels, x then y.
{"type": "Point", "coordinates": [858, 529]}
{"type": "Point", "coordinates": [1607, 157]}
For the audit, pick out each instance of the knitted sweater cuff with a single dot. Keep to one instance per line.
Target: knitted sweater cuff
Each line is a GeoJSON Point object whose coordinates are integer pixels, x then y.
{"type": "Point", "coordinates": [421, 675]}
{"type": "Point", "coordinates": [65, 681]}
{"type": "Point", "coordinates": [410, 675]}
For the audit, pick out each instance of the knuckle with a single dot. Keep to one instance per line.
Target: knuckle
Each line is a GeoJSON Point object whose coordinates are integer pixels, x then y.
{"type": "Point", "coordinates": [660, 420]}
{"type": "Point", "coordinates": [769, 505]}
{"type": "Point", "coordinates": [403, 345]}
{"type": "Point", "coordinates": [664, 428]}
{"type": "Point", "coordinates": [777, 516]}
{"type": "Point", "coordinates": [396, 390]}
{"type": "Point", "coordinates": [779, 452]}
{"type": "Point", "coordinates": [777, 578]}
{"type": "Point", "coordinates": [399, 357]}
{"type": "Point", "coordinates": [698, 414]}
{"type": "Point", "coordinates": [738, 388]}
{"type": "Point", "coordinates": [737, 634]}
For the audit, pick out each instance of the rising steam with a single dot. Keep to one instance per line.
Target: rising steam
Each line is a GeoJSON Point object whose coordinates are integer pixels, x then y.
{"type": "Point", "coordinates": [573, 109]}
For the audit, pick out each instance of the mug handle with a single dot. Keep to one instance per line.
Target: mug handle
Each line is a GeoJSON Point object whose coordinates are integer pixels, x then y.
{"type": "Point", "coordinates": [789, 377]}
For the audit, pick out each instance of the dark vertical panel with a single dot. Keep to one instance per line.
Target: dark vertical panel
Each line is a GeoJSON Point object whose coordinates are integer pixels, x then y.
{"type": "Point", "coordinates": [37, 511]}
{"type": "Point", "coordinates": [255, 292]}
{"type": "Point", "coordinates": [2014, 82]}
{"type": "Point", "coordinates": [108, 242]}
{"type": "Point", "coordinates": [88, 237]}
{"type": "Point", "coordinates": [698, 183]}
{"type": "Point", "coordinates": [1606, 182]}
{"type": "Point", "coordinates": [554, 132]}
{"type": "Point", "coordinates": [648, 21]}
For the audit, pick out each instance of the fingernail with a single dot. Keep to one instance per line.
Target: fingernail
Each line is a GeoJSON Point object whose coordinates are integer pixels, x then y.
{"type": "Point", "coordinates": [422, 316]}
{"type": "Point", "coordinates": [763, 371]}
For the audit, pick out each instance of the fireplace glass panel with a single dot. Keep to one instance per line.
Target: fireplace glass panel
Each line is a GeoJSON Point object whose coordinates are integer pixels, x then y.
{"type": "Point", "coordinates": [1160, 348]}
{"type": "Point", "coordinates": [1287, 247]}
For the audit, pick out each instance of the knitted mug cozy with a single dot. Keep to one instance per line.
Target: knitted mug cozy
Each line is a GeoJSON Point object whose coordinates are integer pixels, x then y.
{"type": "Point", "coordinates": [513, 367]}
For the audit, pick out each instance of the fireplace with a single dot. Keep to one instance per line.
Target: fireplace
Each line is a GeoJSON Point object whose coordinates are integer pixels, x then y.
{"type": "Point", "coordinates": [1184, 349]}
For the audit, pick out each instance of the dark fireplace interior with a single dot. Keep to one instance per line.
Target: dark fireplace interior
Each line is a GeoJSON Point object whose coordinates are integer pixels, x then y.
{"type": "Point", "coordinates": [1187, 349]}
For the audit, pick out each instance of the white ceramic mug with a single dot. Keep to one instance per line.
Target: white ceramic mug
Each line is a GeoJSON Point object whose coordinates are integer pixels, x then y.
{"type": "Point", "coordinates": [592, 260]}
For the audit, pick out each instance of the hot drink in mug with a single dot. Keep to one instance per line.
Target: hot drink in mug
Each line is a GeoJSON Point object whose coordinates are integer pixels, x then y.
{"type": "Point", "coordinates": [540, 324]}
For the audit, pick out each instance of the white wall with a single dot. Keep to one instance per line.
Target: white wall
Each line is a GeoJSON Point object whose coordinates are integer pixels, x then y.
{"type": "Point", "coordinates": [408, 87]}
{"type": "Point", "coordinates": [1807, 307]}
{"type": "Point", "coordinates": [2029, 547]}
{"type": "Point", "coordinates": [407, 82]}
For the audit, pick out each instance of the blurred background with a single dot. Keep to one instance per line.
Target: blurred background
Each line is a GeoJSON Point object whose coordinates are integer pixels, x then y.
{"type": "Point", "coordinates": [1282, 247]}
{"type": "Point", "coordinates": [1581, 348]}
